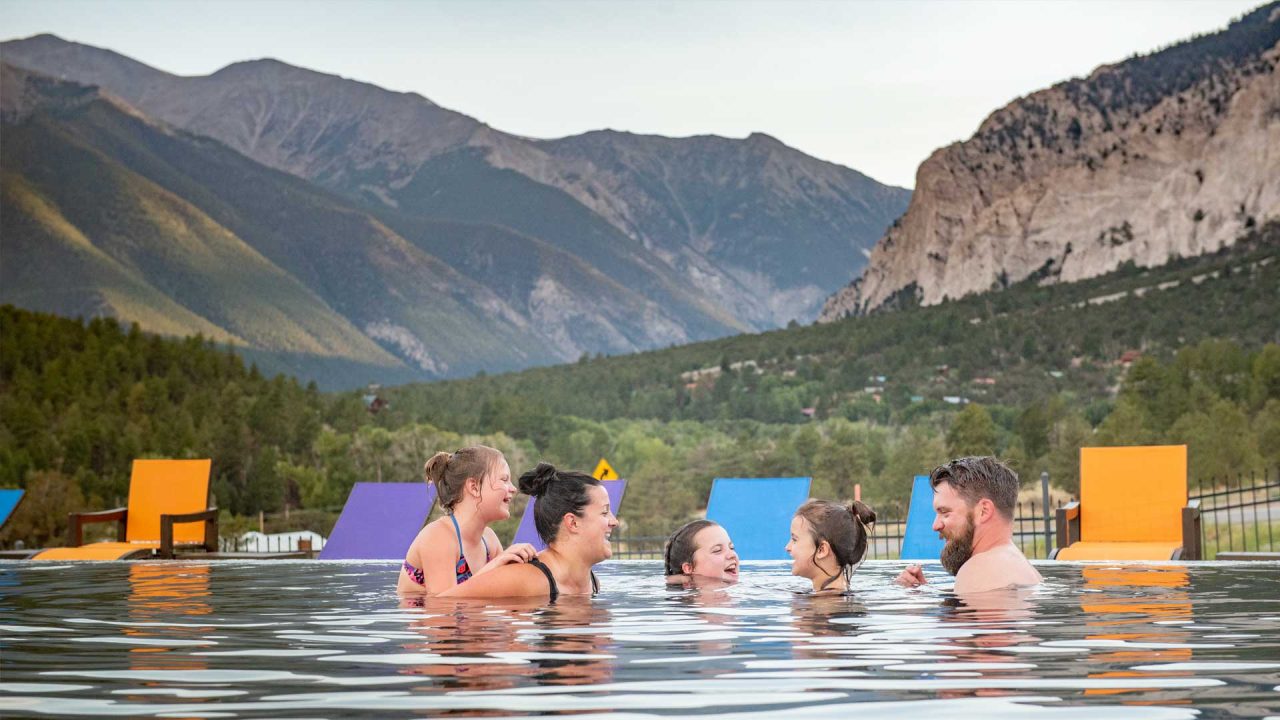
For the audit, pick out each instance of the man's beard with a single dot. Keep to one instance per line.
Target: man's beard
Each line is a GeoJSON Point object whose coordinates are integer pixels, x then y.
{"type": "Point", "coordinates": [957, 551]}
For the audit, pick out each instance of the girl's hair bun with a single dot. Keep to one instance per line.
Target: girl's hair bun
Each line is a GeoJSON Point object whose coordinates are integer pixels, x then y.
{"type": "Point", "coordinates": [863, 513]}
{"type": "Point", "coordinates": [433, 471]}
{"type": "Point", "coordinates": [535, 482]}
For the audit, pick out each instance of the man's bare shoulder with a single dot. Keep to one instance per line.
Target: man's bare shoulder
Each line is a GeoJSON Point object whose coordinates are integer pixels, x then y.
{"type": "Point", "coordinates": [998, 568]}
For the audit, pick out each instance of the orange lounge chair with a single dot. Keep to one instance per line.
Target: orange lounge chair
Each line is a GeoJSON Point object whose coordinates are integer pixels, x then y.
{"type": "Point", "coordinates": [162, 494]}
{"type": "Point", "coordinates": [1133, 506]}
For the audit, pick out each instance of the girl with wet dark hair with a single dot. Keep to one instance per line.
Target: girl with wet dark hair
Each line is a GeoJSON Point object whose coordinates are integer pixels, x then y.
{"type": "Point", "coordinates": [829, 541]}
{"type": "Point", "coordinates": [701, 549]}
{"type": "Point", "coordinates": [474, 487]}
{"type": "Point", "coordinates": [573, 517]}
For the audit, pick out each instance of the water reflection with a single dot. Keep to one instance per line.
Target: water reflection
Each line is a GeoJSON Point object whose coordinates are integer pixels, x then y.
{"type": "Point", "coordinates": [1133, 598]}
{"type": "Point", "coordinates": [164, 602]}
{"type": "Point", "coordinates": [318, 639]}
{"type": "Point", "coordinates": [472, 644]}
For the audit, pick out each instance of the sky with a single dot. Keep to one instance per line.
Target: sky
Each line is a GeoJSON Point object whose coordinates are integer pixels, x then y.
{"type": "Point", "coordinates": [876, 86]}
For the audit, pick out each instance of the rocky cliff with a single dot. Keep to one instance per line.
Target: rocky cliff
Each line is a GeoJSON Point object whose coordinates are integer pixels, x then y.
{"type": "Point", "coordinates": [1172, 154]}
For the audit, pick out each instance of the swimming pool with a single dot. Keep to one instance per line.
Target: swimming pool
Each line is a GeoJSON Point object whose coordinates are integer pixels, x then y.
{"type": "Point", "coordinates": [318, 639]}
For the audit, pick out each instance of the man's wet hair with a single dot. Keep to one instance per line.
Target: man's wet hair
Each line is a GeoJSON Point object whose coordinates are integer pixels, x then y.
{"type": "Point", "coordinates": [975, 478]}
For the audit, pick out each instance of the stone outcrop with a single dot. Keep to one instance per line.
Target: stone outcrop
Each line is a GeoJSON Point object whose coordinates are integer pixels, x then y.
{"type": "Point", "coordinates": [1169, 155]}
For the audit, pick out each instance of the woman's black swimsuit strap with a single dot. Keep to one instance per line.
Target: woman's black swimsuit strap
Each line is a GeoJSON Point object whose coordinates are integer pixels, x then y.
{"type": "Point", "coordinates": [551, 580]}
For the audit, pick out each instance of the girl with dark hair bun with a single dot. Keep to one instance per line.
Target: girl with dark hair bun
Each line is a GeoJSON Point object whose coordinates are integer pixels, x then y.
{"type": "Point", "coordinates": [701, 549]}
{"type": "Point", "coordinates": [474, 488]}
{"type": "Point", "coordinates": [829, 541]}
{"type": "Point", "coordinates": [573, 517]}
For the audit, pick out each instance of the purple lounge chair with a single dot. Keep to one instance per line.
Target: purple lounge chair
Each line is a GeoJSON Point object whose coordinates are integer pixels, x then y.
{"type": "Point", "coordinates": [379, 521]}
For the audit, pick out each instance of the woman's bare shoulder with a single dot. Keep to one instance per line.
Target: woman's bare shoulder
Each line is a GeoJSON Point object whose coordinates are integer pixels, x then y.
{"type": "Point", "coordinates": [513, 580]}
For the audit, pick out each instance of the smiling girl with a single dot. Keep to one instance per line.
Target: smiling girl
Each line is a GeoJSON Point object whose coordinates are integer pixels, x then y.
{"type": "Point", "coordinates": [828, 542]}
{"type": "Point", "coordinates": [701, 549]}
{"type": "Point", "coordinates": [474, 487]}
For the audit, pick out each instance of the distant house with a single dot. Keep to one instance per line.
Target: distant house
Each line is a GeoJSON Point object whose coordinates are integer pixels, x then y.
{"type": "Point", "coordinates": [942, 369]}
{"type": "Point", "coordinates": [255, 541]}
{"type": "Point", "coordinates": [954, 400]}
{"type": "Point", "coordinates": [1056, 373]}
{"type": "Point", "coordinates": [375, 403]}
{"type": "Point", "coordinates": [696, 375]}
{"type": "Point", "coordinates": [1129, 357]}
{"type": "Point", "coordinates": [917, 398]}
{"type": "Point", "coordinates": [872, 389]}
{"type": "Point", "coordinates": [808, 412]}
{"type": "Point", "coordinates": [984, 381]}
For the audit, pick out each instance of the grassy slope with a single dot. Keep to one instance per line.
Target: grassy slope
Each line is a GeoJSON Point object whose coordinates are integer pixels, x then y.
{"type": "Point", "coordinates": [63, 272]}
{"type": "Point", "coordinates": [144, 241]}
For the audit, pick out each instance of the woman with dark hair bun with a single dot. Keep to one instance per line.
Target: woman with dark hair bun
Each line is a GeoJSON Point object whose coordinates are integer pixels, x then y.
{"type": "Point", "coordinates": [829, 541]}
{"type": "Point", "coordinates": [573, 517]}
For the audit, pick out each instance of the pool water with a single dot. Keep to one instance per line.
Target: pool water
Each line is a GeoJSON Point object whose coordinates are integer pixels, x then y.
{"type": "Point", "coordinates": [327, 639]}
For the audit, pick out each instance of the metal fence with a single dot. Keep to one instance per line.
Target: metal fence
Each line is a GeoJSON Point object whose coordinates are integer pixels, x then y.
{"type": "Point", "coordinates": [886, 538]}
{"type": "Point", "coordinates": [1240, 514]}
{"type": "Point", "coordinates": [1030, 532]}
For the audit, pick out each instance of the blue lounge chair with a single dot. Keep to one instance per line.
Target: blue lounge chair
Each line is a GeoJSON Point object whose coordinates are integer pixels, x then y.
{"type": "Point", "coordinates": [9, 499]}
{"type": "Point", "coordinates": [920, 542]}
{"type": "Point", "coordinates": [379, 521]}
{"type": "Point", "coordinates": [757, 513]}
{"type": "Point", "coordinates": [528, 533]}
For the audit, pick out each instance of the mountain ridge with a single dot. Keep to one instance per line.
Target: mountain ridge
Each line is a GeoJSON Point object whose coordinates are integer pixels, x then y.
{"type": "Point", "coordinates": [383, 294]}
{"type": "Point", "coordinates": [363, 141]}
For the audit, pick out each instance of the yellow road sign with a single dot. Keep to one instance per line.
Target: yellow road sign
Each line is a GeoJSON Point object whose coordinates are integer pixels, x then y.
{"type": "Point", "coordinates": [604, 471]}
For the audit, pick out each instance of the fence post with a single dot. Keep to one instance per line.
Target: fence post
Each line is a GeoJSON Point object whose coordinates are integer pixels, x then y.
{"type": "Point", "coordinates": [1044, 494]}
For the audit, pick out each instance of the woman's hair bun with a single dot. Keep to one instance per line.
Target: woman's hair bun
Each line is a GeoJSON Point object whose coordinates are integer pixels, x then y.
{"type": "Point", "coordinates": [863, 512]}
{"type": "Point", "coordinates": [534, 482]}
{"type": "Point", "coordinates": [434, 469]}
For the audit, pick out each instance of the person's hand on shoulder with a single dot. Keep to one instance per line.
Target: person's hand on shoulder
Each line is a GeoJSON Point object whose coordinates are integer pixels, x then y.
{"type": "Point", "coordinates": [518, 553]}
{"type": "Point", "coordinates": [912, 576]}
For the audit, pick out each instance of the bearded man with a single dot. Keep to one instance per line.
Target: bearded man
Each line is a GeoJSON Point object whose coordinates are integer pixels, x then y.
{"type": "Point", "coordinates": [973, 499]}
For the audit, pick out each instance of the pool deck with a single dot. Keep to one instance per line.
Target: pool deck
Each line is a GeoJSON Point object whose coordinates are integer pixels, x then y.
{"type": "Point", "coordinates": [1247, 556]}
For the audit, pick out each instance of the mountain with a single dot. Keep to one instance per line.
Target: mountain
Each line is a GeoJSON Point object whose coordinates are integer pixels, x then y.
{"type": "Point", "coordinates": [1168, 155]}
{"type": "Point", "coordinates": [757, 208]}
{"type": "Point", "coordinates": [108, 212]}
{"type": "Point", "coordinates": [720, 235]}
